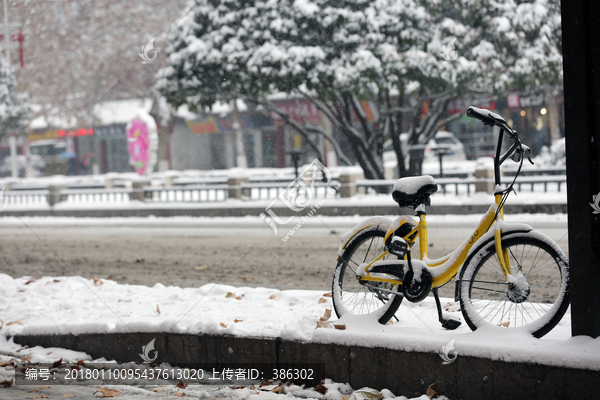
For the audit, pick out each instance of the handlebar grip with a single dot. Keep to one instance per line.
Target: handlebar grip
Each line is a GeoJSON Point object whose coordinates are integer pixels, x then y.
{"type": "Point", "coordinates": [487, 117]}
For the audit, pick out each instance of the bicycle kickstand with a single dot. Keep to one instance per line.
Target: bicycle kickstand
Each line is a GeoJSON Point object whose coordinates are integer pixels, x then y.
{"type": "Point", "coordinates": [448, 323]}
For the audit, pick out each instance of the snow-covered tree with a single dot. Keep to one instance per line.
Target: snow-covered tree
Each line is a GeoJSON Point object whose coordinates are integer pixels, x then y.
{"type": "Point", "coordinates": [13, 108]}
{"type": "Point", "coordinates": [400, 54]}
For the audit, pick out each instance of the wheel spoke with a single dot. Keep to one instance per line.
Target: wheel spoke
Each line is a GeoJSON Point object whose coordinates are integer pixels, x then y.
{"type": "Point", "coordinates": [537, 268]}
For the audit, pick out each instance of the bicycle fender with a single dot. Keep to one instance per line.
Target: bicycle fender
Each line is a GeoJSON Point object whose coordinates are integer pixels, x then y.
{"type": "Point", "coordinates": [381, 223]}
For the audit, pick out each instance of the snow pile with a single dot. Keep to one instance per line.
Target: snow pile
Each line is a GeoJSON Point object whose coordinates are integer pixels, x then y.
{"type": "Point", "coordinates": [76, 305]}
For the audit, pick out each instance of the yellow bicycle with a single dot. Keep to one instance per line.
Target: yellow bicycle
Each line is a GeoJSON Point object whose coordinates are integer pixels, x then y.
{"type": "Point", "coordinates": [508, 274]}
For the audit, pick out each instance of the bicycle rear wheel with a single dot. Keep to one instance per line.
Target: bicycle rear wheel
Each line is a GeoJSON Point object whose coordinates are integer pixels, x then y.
{"type": "Point", "coordinates": [534, 297]}
{"type": "Point", "coordinates": [364, 298]}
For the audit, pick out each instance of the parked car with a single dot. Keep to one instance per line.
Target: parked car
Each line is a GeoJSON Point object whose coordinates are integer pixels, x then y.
{"type": "Point", "coordinates": [443, 139]}
{"type": "Point", "coordinates": [37, 162]}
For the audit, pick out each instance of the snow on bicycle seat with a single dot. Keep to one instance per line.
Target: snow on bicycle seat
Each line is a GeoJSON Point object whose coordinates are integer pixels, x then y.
{"type": "Point", "coordinates": [414, 190]}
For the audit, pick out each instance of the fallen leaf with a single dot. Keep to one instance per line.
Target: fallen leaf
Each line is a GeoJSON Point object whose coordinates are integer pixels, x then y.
{"type": "Point", "coordinates": [238, 320]}
{"type": "Point", "coordinates": [390, 322]}
{"type": "Point", "coordinates": [96, 281]}
{"type": "Point", "coordinates": [321, 389]}
{"type": "Point", "coordinates": [14, 323]}
{"type": "Point", "coordinates": [40, 388]}
{"type": "Point", "coordinates": [6, 383]}
{"type": "Point", "coordinates": [124, 301]}
{"type": "Point", "coordinates": [223, 325]}
{"type": "Point", "coordinates": [330, 294]}
{"type": "Point", "coordinates": [341, 327]}
{"type": "Point", "coordinates": [41, 396]}
{"type": "Point", "coordinates": [323, 324]}
{"type": "Point", "coordinates": [327, 315]}
{"type": "Point", "coordinates": [1, 324]}
{"type": "Point", "coordinates": [157, 310]}
{"type": "Point", "coordinates": [346, 397]}
{"type": "Point", "coordinates": [238, 298]}
{"type": "Point", "coordinates": [506, 324]}
{"type": "Point", "coordinates": [81, 362]}
{"type": "Point", "coordinates": [228, 295]}
{"type": "Point", "coordinates": [181, 384]}
{"type": "Point", "coordinates": [26, 358]}
{"type": "Point", "coordinates": [247, 279]}
{"type": "Point", "coordinates": [57, 280]}
{"type": "Point", "coordinates": [21, 291]}
{"type": "Point", "coordinates": [430, 392]}
{"type": "Point", "coordinates": [107, 392]}
{"type": "Point", "coordinates": [278, 389]}
{"type": "Point", "coordinates": [10, 363]}
{"type": "Point", "coordinates": [57, 364]}
{"type": "Point", "coordinates": [31, 280]}
{"type": "Point", "coordinates": [157, 389]}
{"type": "Point", "coordinates": [273, 296]}
{"type": "Point", "coordinates": [178, 394]}
{"type": "Point", "coordinates": [201, 267]}
{"type": "Point", "coordinates": [366, 394]}
{"type": "Point", "coordinates": [322, 300]}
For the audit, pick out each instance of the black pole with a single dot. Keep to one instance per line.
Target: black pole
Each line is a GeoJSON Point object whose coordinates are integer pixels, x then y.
{"type": "Point", "coordinates": [581, 63]}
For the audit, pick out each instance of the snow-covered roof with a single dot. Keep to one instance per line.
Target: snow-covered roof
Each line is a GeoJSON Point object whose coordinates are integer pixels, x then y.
{"type": "Point", "coordinates": [120, 111]}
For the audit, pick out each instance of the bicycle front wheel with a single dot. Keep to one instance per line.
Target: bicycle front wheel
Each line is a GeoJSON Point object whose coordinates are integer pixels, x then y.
{"type": "Point", "coordinates": [362, 298]}
{"type": "Point", "coordinates": [534, 297]}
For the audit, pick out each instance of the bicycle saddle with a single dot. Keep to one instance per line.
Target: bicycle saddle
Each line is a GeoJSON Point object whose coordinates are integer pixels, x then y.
{"type": "Point", "coordinates": [414, 191]}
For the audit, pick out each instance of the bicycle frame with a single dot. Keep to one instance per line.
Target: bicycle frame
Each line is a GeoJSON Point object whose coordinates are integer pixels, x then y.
{"type": "Point", "coordinates": [449, 265]}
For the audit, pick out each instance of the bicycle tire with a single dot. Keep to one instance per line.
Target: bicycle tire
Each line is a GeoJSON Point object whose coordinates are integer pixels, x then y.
{"type": "Point", "coordinates": [535, 300]}
{"type": "Point", "coordinates": [349, 295]}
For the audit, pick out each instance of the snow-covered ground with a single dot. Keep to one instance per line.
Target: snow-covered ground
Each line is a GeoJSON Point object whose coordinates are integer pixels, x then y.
{"type": "Point", "coordinates": [62, 305]}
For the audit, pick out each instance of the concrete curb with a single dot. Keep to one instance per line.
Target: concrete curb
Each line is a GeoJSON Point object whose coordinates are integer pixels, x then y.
{"type": "Point", "coordinates": [334, 210]}
{"type": "Point", "coordinates": [404, 373]}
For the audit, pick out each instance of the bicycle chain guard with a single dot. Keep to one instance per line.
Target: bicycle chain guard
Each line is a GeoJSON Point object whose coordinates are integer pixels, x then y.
{"type": "Point", "coordinates": [416, 291]}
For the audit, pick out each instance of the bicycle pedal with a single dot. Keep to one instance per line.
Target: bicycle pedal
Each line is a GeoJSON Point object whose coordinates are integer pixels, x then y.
{"type": "Point", "coordinates": [451, 324]}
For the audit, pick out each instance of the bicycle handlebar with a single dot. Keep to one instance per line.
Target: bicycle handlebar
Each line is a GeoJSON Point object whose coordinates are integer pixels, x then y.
{"type": "Point", "coordinates": [486, 116]}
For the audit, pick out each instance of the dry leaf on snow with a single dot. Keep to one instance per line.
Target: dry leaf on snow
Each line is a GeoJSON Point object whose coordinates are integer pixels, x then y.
{"type": "Point", "coordinates": [181, 384]}
{"type": "Point", "coordinates": [201, 267]}
{"type": "Point", "coordinates": [157, 310]}
{"type": "Point", "coordinates": [6, 383]}
{"type": "Point", "coordinates": [321, 389]}
{"type": "Point", "coordinates": [96, 281]}
{"type": "Point", "coordinates": [238, 320]}
{"type": "Point", "coordinates": [323, 324]}
{"type": "Point", "coordinates": [228, 295]}
{"type": "Point", "coordinates": [223, 325]}
{"type": "Point", "coordinates": [31, 280]}
{"type": "Point", "coordinates": [273, 296]}
{"type": "Point", "coordinates": [14, 323]}
{"type": "Point", "coordinates": [327, 315]}
{"type": "Point", "coordinates": [340, 327]}
{"type": "Point", "coordinates": [430, 392]}
{"type": "Point", "coordinates": [278, 389]}
{"type": "Point", "coordinates": [107, 392]}
{"type": "Point", "coordinates": [330, 294]}
{"type": "Point", "coordinates": [322, 300]}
